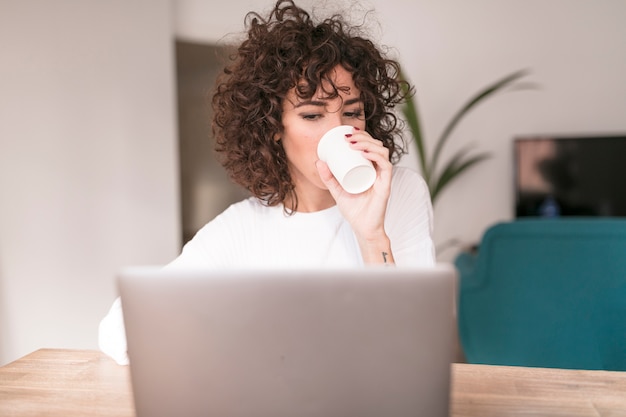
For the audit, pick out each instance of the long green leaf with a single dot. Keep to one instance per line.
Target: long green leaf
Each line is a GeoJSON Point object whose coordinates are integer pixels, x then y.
{"type": "Point", "coordinates": [453, 169]}
{"type": "Point", "coordinates": [479, 97]}
{"type": "Point", "coordinates": [449, 170]}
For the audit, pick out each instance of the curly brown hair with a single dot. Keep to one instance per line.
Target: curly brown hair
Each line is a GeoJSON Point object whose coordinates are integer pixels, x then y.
{"type": "Point", "coordinates": [283, 51]}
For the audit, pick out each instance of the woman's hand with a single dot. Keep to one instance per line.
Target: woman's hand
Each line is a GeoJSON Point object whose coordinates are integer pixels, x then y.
{"type": "Point", "coordinates": [365, 211]}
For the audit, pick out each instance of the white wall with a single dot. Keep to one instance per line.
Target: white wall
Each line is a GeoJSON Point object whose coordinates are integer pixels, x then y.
{"type": "Point", "coordinates": [87, 162]}
{"type": "Point", "coordinates": [453, 48]}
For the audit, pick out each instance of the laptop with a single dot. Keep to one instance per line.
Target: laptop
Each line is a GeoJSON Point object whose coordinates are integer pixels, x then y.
{"type": "Point", "coordinates": [370, 342]}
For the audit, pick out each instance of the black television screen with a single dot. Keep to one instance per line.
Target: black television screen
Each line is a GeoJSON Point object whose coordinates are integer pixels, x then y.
{"type": "Point", "coordinates": [570, 176]}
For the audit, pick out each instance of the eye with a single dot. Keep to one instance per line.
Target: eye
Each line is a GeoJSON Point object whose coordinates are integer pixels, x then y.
{"type": "Point", "coordinates": [356, 114]}
{"type": "Point", "coordinates": [311, 116]}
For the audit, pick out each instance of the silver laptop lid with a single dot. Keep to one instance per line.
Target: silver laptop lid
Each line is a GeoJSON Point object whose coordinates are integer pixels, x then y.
{"type": "Point", "coordinates": [360, 342]}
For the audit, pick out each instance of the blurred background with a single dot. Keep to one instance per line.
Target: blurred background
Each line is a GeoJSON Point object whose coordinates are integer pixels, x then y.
{"type": "Point", "coordinates": [104, 156]}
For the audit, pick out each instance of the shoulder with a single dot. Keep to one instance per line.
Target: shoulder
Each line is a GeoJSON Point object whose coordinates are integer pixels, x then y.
{"type": "Point", "coordinates": [250, 207]}
{"type": "Point", "coordinates": [241, 216]}
{"type": "Point", "coordinates": [401, 173]}
{"type": "Point", "coordinates": [408, 180]}
{"type": "Point", "coordinates": [225, 239]}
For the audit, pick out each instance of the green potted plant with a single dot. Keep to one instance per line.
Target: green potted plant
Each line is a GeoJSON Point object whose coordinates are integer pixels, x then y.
{"type": "Point", "coordinates": [437, 174]}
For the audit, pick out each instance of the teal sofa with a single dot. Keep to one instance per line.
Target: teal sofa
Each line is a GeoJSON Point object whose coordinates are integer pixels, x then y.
{"type": "Point", "coordinates": [546, 293]}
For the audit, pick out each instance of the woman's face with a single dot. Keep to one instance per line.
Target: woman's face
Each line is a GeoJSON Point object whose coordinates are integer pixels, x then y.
{"type": "Point", "coordinates": [306, 121]}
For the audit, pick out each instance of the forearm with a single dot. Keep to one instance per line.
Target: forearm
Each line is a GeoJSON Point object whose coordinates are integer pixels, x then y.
{"type": "Point", "coordinates": [376, 250]}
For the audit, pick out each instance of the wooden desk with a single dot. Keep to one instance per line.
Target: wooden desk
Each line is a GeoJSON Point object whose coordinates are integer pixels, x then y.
{"type": "Point", "coordinates": [55, 382]}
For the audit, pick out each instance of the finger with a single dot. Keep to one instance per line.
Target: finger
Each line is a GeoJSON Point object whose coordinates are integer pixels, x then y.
{"type": "Point", "coordinates": [362, 137]}
{"type": "Point", "coordinates": [375, 152]}
{"type": "Point", "coordinates": [363, 141]}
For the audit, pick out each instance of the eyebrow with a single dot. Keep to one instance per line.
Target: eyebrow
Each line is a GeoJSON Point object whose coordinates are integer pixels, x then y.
{"type": "Point", "coordinates": [321, 103]}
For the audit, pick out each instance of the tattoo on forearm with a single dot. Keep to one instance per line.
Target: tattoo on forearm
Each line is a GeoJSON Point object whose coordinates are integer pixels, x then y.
{"type": "Point", "coordinates": [385, 257]}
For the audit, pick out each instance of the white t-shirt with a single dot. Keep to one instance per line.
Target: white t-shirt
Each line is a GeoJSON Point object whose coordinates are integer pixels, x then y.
{"type": "Point", "coordinates": [249, 234]}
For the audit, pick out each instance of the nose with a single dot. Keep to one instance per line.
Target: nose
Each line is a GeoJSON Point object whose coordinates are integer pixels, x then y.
{"type": "Point", "coordinates": [337, 119]}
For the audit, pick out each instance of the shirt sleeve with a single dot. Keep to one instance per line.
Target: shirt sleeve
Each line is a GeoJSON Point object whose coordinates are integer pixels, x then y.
{"type": "Point", "coordinates": [409, 219]}
{"type": "Point", "coordinates": [111, 331]}
{"type": "Point", "coordinates": [112, 335]}
{"type": "Point", "coordinates": [218, 243]}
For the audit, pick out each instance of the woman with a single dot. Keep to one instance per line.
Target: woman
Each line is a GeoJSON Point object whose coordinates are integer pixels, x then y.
{"type": "Point", "coordinates": [291, 81]}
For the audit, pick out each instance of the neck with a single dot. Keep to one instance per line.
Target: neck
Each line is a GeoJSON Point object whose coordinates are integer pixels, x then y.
{"type": "Point", "coordinates": [312, 202]}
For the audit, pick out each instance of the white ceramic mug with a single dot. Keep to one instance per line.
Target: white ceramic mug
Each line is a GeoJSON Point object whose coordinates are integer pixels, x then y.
{"type": "Point", "coordinates": [354, 172]}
